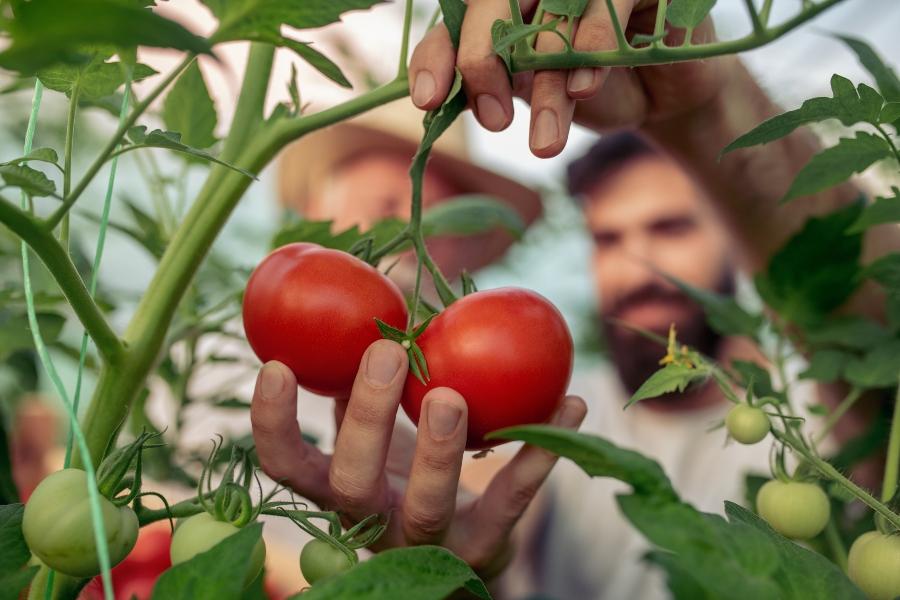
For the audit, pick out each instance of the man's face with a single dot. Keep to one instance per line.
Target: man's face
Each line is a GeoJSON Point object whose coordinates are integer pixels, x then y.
{"type": "Point", "coordinates": [648, 218]}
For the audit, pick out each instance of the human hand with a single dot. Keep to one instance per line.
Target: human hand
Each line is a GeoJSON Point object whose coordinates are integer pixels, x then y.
{"type": "Point", "coordinates": [377, 469]}
{"type": "Point", "coordinates": [607, 98]}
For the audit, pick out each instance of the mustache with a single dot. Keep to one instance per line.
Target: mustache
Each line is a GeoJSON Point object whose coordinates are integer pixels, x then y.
{"type": "Point", "coordinates": [648, 293]}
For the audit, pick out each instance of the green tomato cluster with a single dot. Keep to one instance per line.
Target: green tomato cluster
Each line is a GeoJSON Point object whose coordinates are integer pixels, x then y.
{"type": "Point", "coordinates": [874, 565]}
{"type": "Point", "coordinates": [747, 424]}
{"type": "Point", "coordinates": [57, 525]}
{"type": "Point", "coordinates": [320, 560]}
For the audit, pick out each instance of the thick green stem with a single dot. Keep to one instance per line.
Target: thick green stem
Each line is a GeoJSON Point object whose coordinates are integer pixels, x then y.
{"type": "Point", "coordinates": [892, 465]}
{"type": "Point", "coordinates": [248, 114]}
{"type": "Point", "coordinates": [66, 275]}
{"type": "Point", "coordinates": [402, 68]}
{"type": "Point", "coordinates": [145, 335]}
{"type": "Point", "coordinates": [113, 143]}
{"type": "Point", "coordinates": [652, 55]}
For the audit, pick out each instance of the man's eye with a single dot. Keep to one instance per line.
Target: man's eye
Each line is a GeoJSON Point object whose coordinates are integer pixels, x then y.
{"type": "Point", "coordinates": [605, 239]}
{"type": "Point", "coordinates": [673, 227]}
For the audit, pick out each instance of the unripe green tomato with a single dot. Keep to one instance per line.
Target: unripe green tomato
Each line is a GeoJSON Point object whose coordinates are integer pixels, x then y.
{"type": "Point", "coordinates": [58, 528]}
{"type": "Point", "coordinates": [796, 510]}
{"type": "Point", "coordinates": [874, 565]}
{"type": "Point", "coordinates": [320, 560]}
{"type": "Point", "coordinates": [201, 532]}
{"type": "Point", "coordinates": [747, 424]}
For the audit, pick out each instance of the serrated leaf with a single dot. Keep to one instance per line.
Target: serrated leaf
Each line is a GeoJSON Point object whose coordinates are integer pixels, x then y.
{"type": "Point", "coordinates": [566, 8]}
{"type": "Point", "coordinates": [43, 154]}
{"type": "Point", "coordinates": [171, 140]}
{"type": "Point", "coordinates": [837, 164]}
{"type": "Point", "coordinates": [811, 111]}
{"type": "Point", "coordinates": [304, 50]}
{"type": "Point", "coordinates": [854, 333]}
{"type": "Point", "coordinates": [886, 271]}
{"type": "Point", "coordinates": [595, 456]}
{"type": "Point", "coordinates": [248, 19]}
{"type": "Point", "coordinates": [189, 109]}
{"type": "Point", "coordinates": [878, 368]}
{"type": "Point", "coordinates": [453, 11]}
{"type": "Point", "coordinates": [890, 114]}
{"type": "Point", "coordinates": [688, 13]}
{"type": "Point", "coordinates": [45, 32]}
{"type": "Point", "coordinates": [671, 378]}
{"type": "Point", "coordinates": [470, 215]}
{"type": "Point", "coordinates": [887, 81]}
{"type": "Point", "coordinates": [95, 79]}
{"type": "Point", "coordinates": [319, 232]}
{"type": "Point", "coordinates": [415, 573]}
{"type": "Point", "coordinates": [506, 36]}
{"type": "Point", "coordinates": [827, 366]}
{"type": "Point", "coordinates": [723, 313]}
{"type": "Point", "coordinates": [29, 180]}
{"type": "Point", "coordinates": [883, 210]}
{"type": "Point", "coordinates": [751, 372]}
{"type": "Point", "coordinates": [217, 574]}
{"type": "Point", "coordinates": [817, 269]}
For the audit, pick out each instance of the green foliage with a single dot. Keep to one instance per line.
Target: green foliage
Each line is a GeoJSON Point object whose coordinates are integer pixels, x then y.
{"type": "Point", "coordinates": [471, 215]}
{"type": "Point", "coordinates": [171, 140]}
{"type": "Point", "coordinates": [415, 573]}
{"type": "Point", "coordinates": [752, 374]}
{"type": "Point", "coordinates": [827, 366]}
{"type": "Point", "coordinates": [827, 257]}
{"type": "Point", "coordinates": [217, 574]}
{"type": "Point", "coordinates": [883, 210]}
{"type": "Point", "coordinates": [887, 81]}
{"type": "Point", "coordinates": [566, 8]}
{"type": "Point", "coordinates": [876, 368]}
{"type": "Point", "coordinates": [704, 555]}
{"type": "Point", "coordinates": [453, 11]}
{"type": "Point", "coordinates": [688, 13]}
{"type": "Point", "coordinates": [31, 181]}
{"type": "Point", "coordinates": [45, 32]}
{"type": "Point", "coordinates": [93, 79]}
{"type": "Point", "coordinates": [723, 313]}
{"type": "Point", "coordinates": [15, 575]}
{"type": "Point", "coordinates": [671, 378]}
{"type": "Point", "coordinates": [189, 110]}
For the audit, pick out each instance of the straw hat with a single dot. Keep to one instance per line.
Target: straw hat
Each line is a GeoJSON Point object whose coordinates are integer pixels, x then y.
{"type": "Point", "coordinates": [397, 127]}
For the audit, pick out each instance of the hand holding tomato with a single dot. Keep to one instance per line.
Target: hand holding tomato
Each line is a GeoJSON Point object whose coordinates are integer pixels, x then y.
{"type": "Point", "coordinates": [375, 469]}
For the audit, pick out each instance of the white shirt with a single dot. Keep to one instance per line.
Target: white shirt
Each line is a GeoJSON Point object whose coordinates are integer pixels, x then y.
{"type": "Point", "coordinates": [589, 550]}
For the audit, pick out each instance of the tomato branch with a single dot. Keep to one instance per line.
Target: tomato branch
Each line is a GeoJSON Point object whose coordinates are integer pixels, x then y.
{"type": "Point", "coordinates": [892, 465]}
{"type": "Point", "coordinates": [67, 277]}
{"type": "Point", "coordinates": [402, 68]}
{"type": "Point", "coordinates": [67, 159]}
{"type": "Point", "coordinates": [529, 60]}
{"type": "Point", "coordinates": [113, 143]}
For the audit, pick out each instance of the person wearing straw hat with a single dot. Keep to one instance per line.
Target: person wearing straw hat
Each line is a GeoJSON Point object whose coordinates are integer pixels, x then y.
{"type": "Point", "coordinates": [357, 173]}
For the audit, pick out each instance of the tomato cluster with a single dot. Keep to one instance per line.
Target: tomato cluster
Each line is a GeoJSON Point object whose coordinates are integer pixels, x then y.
{"type": "Point", "coordinates": [507, 351]}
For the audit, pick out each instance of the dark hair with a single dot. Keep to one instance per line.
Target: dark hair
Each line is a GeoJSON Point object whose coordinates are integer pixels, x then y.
{"type": "Point", "coordinates": [608, 156]}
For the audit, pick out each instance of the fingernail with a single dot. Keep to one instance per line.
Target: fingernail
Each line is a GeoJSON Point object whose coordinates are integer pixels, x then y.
{"type": "Point", "coordinates": [423, 88]}
{"type": "Point", "coordinates": [581, 79]}
{"type": "Point", "coordinates": [570, 415]}
{"type": "Point", "coordinates": [546, 130]}
{"type": "Point", "coordinates": [490, 112]}
{"type": "Point", "coordinates": [271, 381]}
{"type": "Point", "coordinates": [442, 420]}
{"type": "Point", "coordinates": [381, 366]}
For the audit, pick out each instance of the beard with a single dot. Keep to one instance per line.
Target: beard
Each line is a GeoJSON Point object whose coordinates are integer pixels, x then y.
{"type": "Point", "coordinates": [636, 357]}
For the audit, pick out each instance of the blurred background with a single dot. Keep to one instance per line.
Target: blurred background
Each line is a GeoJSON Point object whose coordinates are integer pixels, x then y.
{"type": "Point", "coordinates": [211, 377]}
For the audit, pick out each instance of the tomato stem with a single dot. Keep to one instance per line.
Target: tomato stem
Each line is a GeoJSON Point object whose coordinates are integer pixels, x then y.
{"type": "Point", "coordinates": [841, 409]}
{"type": "Point", "coordinates": [892, 464]}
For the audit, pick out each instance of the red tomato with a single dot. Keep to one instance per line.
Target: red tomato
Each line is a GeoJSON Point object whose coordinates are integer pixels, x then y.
{"type": "Point", "coordinates": [314, 309]}
{"type": "Point", "coordinates": [507, 351]}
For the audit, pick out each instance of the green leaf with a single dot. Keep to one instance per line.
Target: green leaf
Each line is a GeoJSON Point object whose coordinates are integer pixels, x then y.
{"type": "Point", "coordinates": [453, 11]}
{"type": "Point", "coordinates": [249, 19]}
{"type": "Point", "coordinates": [319, 61]}
{"type": "Point", "coordinates": [887, 81]}
{"type": "Point", "coordinates": [723, 313]}
{"type": "Point", "coordinates": [883, 210]}
{"type": "Point", "coordinates": [45, 32]}
{"type": "Point", "coordinates": [688, 13]}
{"type": "Point", "coordinates": [94, 79]}
{"type": "Point", "coordinates": [886, 271]}
{"type": "Point", "coordinates": [878, 368]}
{"type": "Point", "coordinates": [189, 109]}
{"type": "Point", "coordinates": [471, 214]}
{"type": "Point", "coordinates": [890, 114]}
{"type": "Point", "coordinates": [9, 493]}
{"type": "Point", "coordinates": [171, 140]}
{"type": "Point", "coordinates": [319, 232]}
{"type": "Point", "coordinates": [854, 333]}
{"type": "Point", "coordinates": [750, 372]}
{"type": "Point", "coordinates": [217, 574]}
{"type": "Point", "coordinates": [811, 111]}
{"type": "Point", "coordinates": [827, 366]}
{"type": "Point", "coordinates": [29, 180]}
{"type": "Point", "coordinates": [671, 378]}
{"type": "Point", "coordinates": [43, 154]}
{"type": "Point", "coordinates": [15, 575]}
{"type": "Point", "coordinates": [837, 164]}
{"type": "Point", "coordinates": [595, 456]}
{"type": "Point", "coordinates": [817, 269]}
{"type": "Point", "coordinates": [16, 335]}
{"type": "Point", "coordinates": [505, 37]}
{"type": "Point", "coordinates": [415, 573]}
{"type": "Point", "coordinates": [566, 8]}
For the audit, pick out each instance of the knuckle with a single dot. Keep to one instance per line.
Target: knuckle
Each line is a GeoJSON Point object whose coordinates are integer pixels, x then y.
{"type": "Point", "coordinates": [368, 416]}
{"type": "Point", "coordinates": [424, 525]}
{"type": "Point", "coordinates": [438, 462]}
{"type": "Point", "coordinates": [348, 491]}
{"type": "Point", "coordinates": [519, 499]}
{"type": "Point", "coordinates": [472, 65]}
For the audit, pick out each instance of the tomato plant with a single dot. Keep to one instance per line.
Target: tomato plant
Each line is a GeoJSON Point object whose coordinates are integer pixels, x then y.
{"type": "Point", "coordinates": [320, 560]}
{"type": "Point", "coordinates": [874, 565]}
{"type": "Point", "coordinates": [507, 351]}
{"type": "Point", "coordinates": [57, 525]}
{"type": "Point", "coordinates": [314, 309]}
{"type": "Point", "coordinates": [201, 532]}
{"type": "Point", "coordinates": [794, 509]}
{"type": "Point", "coordinates": [747, 424]}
